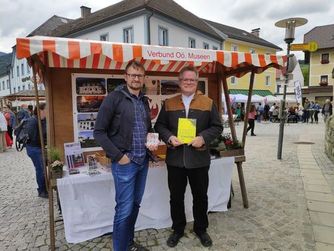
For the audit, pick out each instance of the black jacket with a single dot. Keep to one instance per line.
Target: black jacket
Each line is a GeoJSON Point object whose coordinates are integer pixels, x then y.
{"type": "Point", "coordinates": [114, 123]}
{"type": "Point", "coordinates": [32, 130]}
{"type": "Point", "coordinates": [208, 125]}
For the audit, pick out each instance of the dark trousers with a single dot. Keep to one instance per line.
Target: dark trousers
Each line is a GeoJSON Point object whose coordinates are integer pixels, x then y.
{"type": "Point", "coordinates": [251, 125]}
{"type": "Point", "coordinates": [10, 131]}
{"type": "Point", "coordinates": [316, 118]}
{"type": "Point", "coordinates": [177, 183]}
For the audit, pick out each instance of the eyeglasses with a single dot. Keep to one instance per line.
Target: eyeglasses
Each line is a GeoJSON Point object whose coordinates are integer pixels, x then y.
{"type": "Point", "coordinates": [134, 76]}
{"type": "Point", "coordinates": [189, 80]}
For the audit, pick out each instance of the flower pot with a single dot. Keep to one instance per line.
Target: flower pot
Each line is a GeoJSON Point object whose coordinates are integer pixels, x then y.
{"type": "Point", "coordinates": [56, 172]}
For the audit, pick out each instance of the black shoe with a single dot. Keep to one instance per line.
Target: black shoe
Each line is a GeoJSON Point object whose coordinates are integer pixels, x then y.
{"type": "Point", "coordinates": [43, 195]}
{"type": "Point", "coordinates": [205, 239]}
{"type": "Point", "coordinates": [137, 247]}
{"type": "Point", "coordinates": [173, 239]}
{"type": "Point", "coordinates": [253, 134]}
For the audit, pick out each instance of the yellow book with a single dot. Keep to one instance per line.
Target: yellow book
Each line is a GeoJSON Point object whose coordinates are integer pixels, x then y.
{"type": "Point", "coordinates": [186, 130]}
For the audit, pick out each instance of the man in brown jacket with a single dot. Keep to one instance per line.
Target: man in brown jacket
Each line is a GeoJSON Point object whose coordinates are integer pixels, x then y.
{"type": "Point", "coordinates": [188, 161]}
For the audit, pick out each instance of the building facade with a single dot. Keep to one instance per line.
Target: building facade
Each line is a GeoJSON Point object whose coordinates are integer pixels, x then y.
{"type": "Point", "coordinates": [159, 22]}
{"type": "Point", "coordinates": [321, 63]}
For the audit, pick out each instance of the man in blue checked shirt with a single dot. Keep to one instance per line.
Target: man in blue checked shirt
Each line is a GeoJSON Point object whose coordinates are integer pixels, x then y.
{"type": "Point", "coordinates": [122, 124]}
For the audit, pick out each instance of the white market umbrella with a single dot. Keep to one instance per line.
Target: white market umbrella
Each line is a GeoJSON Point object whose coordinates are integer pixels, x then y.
{"type": "Point", "coordinates": [271, 99]}
{"type": "Point", "coordinates": [257, 98]}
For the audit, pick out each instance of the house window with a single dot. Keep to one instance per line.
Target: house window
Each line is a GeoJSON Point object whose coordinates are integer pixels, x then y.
{"type": "Point", "coordinates": [18, 88]}
{"type": "Point", "coordinates": [14, 89]}
{"type": "Point", "coordinates": [252, 50]}
{"type": "Point", "coordinates": [214, 48]}
{"type": "Point", "coordinates": [191, 43]}
{"type": "Point", "coordinates": [3, 85]}
{"type": "Point", "coordinates": [206, 46]}
{"type": "Point", "coordinates": [267, 80]}
{"type": "Point", "coordinates": [23, 87]}
{"type": "Point", "coordinates": [104, 37]}
{"type": "Point", "coordinates": [128, 35]}
{"type": "Point", "coordinates": [325, 58]}
{"type": "Point", "coordinates": [234, 47]}
{"type": "Point", "coordinates": [29, 87]}
{"type": "Point", "coordinates": [324, 79]}
{"type": "Point", "coordinates": [7, 84]}
{"type": "Point", "coordinates": [163, 36]}
{"type": "Point", "coordinates": [233, 80]}
{"type": "Point", "coordinates": [17, 71]}
{"type": "Point", "coordinates": [22, 69]}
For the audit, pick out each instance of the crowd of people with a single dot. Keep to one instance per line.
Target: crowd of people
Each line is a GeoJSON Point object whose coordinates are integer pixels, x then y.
{"type": "Point", "coordinates": [9, 120]}
{"type": "Point", "coordinates": [307, 113]}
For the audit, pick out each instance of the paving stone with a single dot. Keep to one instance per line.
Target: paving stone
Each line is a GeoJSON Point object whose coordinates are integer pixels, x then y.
{"type": "Point", "coordinates": [320, 218]}
{"type": "Point", "coordinates": [319, 206]}
{"type": "Point", "coordinates": [319, 196]}
{"type": "Point", "coordinates": [324, 247]}
{"type": "Point", "coordinates": [324, 234]}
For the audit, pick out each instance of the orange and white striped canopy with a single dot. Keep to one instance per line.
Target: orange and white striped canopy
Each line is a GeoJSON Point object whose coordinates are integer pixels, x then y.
{"type": "Point", "coordinates": [89, 54]}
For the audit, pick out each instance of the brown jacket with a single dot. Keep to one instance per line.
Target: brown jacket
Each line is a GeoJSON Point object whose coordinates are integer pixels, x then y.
{"type": "Point", "coordinates": [208, 125]}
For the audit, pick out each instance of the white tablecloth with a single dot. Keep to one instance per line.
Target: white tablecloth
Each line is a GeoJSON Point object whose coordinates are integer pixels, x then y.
{"type": "Point", "coordinates": [88, 201]}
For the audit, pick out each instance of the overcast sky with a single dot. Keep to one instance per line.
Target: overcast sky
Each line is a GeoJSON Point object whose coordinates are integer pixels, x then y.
{"type": "Point", "coordinates": [19, 17]}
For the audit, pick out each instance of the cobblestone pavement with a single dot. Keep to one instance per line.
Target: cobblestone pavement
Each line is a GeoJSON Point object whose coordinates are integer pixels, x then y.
{"type": "Point", "coordinates": [277, 217]}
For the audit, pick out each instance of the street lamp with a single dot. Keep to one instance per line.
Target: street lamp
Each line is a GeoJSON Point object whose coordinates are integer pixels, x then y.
{"type": "Point", "coordinates": [289, 24]}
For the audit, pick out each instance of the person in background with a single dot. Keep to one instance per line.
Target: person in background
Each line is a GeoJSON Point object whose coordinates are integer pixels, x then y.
{"type": "Point", "coordinates": [259, 112]}
{"type": "Point", "coordinates": [266, 109]}
{"type": "Point", "coordinates": [316, 112]}
{"type": "Point", "coordinates": [11, 121]}
{"type": "Point", "coordinates": [22, 114]}
{"type": "Point", "coordinates": [3, 132]}
{"type": "Point", "coordinates": [306, 112]}
{"type": "Point", "coordinates": [189, 162]}
{"type": "Point", "coordinates": [121, 128]}
{"type": "Point", "coordinates": [31, 110]}
{"type": "Point", "coordinates": [34, 148]}
{"type": "Point", "coordinates": [251, 120]}
{"type": "Point", "coordinates": [271, 110]}
{"type": "Point", "coordinates": [311, 111]}
{"type": "Point", "coordinates": [327, 109]}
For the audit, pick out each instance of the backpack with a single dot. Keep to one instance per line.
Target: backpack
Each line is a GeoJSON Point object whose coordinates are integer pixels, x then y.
{"type": "Point", "coordinates": [22, 136]}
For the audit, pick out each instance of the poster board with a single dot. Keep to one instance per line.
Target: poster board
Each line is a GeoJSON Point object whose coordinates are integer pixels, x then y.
{"type": "Point", "coordinates": [89, 90]}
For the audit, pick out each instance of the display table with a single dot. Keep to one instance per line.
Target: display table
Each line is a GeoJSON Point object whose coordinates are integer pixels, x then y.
{"type": "Point", "coordinates": [88, 201]}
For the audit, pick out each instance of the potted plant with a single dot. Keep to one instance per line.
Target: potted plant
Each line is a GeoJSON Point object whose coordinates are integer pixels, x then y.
{"type": "Point", "coordinates": [56, 165]}
{"type": "Point", "coordinates": [224, 146]}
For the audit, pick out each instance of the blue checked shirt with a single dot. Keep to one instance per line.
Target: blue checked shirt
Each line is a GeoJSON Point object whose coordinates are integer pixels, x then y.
{"type": "Point", "coordinates": [138, 150]}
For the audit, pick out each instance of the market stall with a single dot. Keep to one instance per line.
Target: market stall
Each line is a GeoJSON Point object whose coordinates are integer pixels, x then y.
{"type": "Point", "coordinates": [78, 74]}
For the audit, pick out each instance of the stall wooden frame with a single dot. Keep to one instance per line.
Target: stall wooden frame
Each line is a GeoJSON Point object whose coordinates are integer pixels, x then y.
{"type": "Point", "coordinates": [55, 59]}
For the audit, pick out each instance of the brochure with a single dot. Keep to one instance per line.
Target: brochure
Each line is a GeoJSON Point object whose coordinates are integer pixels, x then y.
{"type": "Point", "coordinates": [186, 130]}
{"type": "Point", "coordinates": [73, 155]}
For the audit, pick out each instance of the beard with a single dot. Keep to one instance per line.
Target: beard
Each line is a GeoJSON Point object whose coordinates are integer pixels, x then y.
{"type": "Point", "coordinates": [135, 86]}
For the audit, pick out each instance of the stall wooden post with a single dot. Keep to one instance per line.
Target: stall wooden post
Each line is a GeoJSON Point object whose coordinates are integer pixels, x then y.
{"type": "Point", "coordinates": [238, 159]}
{"type": "Point", "coordinates": [46, 171]}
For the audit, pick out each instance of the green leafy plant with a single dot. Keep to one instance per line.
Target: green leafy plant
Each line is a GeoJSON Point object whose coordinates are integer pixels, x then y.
{"type": "Point", "coordinates": [54, 154]}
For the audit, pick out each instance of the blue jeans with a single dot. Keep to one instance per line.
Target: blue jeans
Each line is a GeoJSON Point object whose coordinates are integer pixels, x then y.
{"type": "Point", "coordinates": [130, 180]}
{"type": "Point", "coordinates": [35, 154]}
